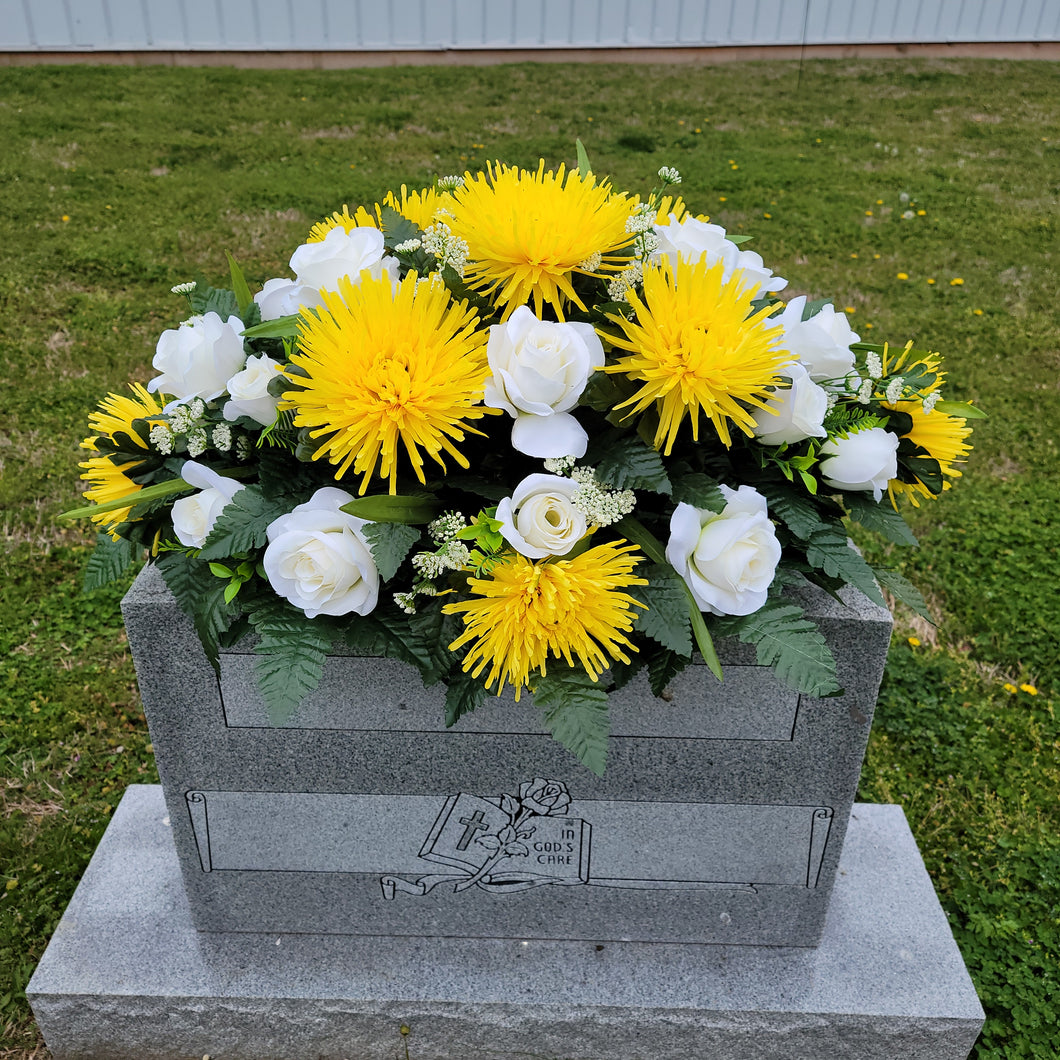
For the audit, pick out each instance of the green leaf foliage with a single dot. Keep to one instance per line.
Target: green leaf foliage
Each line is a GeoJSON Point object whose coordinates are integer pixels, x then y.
{"type": "Point", "coordinates": [414, 639]}
{"type": "Point", "coordinates": [584, 167]}
{"type": "Point", "coordinates": [242, 524]}
{"type": "Point", "coordinates": [879, 517]}
{"type": "Point", "coordinates": [605, 391]}
{"type": "Point", "coordinates": [624, 462]}
{"type": "Point", "coordinates": [829, 551]}
{"type": "Point", "coordinates": [207, 299]}
{"type": "Point", "coordinates": [904, 590]}
{"type": "Point", "coordinates": [663, 667]}
{"type": "Point", "coordinates": [280, 328]}
{"type": "Point", "coordinates": [201, 596]}
{"type": "Point", "coordinates": [789, 642]}
{"type": "Point", "coordinates": [390, 544]}
{"type": "Point", "coordinates": [108, 562]}
{"type": "Point", "coordinates": [575, 709]}
{"type": "Point", "coordinates": [799, 513]}
{"type": "Point", "coordinates": [292, 650]}
{"type": "Point", "coordinates": [699, 490]}
{"type": "Point", "coordinates": [244, 299]}
{"type": "Point", "coordinates": [391, 508]}
{"type": "Point", "coordinates": [666, 619]}
{"type": "Point", "coordinates": [463, 695]}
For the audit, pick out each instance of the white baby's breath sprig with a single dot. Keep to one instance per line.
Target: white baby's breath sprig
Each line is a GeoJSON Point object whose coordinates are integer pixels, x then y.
{"type": "Point", "coordinates": [448, 250]}
{"type": "Point", "coordinates": [865, 392]}
{"type": "Point", "coordinates": [591, 263]}
{"type": "Point", "coordinates": [931, 401]}
{"type": "Point", "coordinates": [446, 527]}
{"type": "Point", "coordinates": [894, 389]}
{"type": "Point", "coordinates": [408, 246]}
{"type": "Point", "coordinates": [161, 437]}
{"type": "Point", "coordinates": [669, 175]}
{"type": "Point", "coordinates": [198, 443]}
{"type": "Point", "coordinates": [450, 183]}
{"type": "Point", "coordinates": [221, 436]}
{"type": "Point", "coordinates": [600, 504]}
{"type": "Point", "coordinates": [873, 365]}
{"type": "Point", "coordinates": [184, 288]}
{"type": "Point", "coordinates": [560, 465]}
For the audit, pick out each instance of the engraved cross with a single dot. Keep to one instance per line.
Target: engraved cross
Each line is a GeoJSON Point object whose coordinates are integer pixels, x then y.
{"type": "Point", "coordinates": [474, 824]}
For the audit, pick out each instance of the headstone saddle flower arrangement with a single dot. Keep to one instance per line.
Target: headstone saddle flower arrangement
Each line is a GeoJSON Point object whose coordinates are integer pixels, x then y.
{"type": "Point", "coordinates": [520, 430]}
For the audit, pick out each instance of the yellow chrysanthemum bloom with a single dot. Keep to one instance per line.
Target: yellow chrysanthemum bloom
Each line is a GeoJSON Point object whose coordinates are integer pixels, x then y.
{"type": "Point", "coordinates": [695, 348]}
{"type": "Point", "coordinates": [944, 438]}
{"type": "Point", "coordinates": [529, 233]}
{"type": "Point", "coordinates": [390, 369]}
{"type": "Point", "coordinates": [528, 611]}
{"type": "Point", "coordinates": [107, 480]}
{"type": "Point", "coordinates": [419, 207]}
{"type": "Point", "coordinates": [896, 363]}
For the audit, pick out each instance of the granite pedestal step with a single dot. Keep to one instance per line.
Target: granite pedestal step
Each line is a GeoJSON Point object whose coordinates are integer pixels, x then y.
{"type": "Point", "coordinates": [127, 977]}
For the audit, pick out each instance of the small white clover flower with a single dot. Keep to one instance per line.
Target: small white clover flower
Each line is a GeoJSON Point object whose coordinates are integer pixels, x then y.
{"type": "Point", "coordinates": [222, 437]}
{"type": "Point", "coordinates": [894, 389]}
{"type": "Point", "coordinates": [184, 288]}
{"type": "Point", "coordinates": [669, 175]}
{"type": "Point", "coordinates": [161, 438]}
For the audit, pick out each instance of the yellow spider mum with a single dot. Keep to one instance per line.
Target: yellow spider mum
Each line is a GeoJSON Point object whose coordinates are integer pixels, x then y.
{"type": "Point", "coordinates": [419, 207]}
{"type": "Point", "coordinates": [944, 438]}
{"type": "Point", "coordinates": [107, 480]}
{"type": "Point", "coordinates": [695, 349]}
{"type": "Point", "coordinates": [389, 368]}
{"type": "Point", "coordinates": [529, 234]}
{"type": "Point", "coordinates": [528, 611]}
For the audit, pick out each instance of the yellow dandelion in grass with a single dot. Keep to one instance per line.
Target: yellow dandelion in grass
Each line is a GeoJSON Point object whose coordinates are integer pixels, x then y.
{"type": "Point", "coordinates": [695, 346]}
{"type": "Point", "coordinates": [108, 476]}
{"type": "Point", "coordinates": [1029, 689]}
{"type": "Point", "coordinates": [944, 437]}
{"type": "Point", "coordinates": [388, 370]}
{"type": "Point", "coordinates": [530, 233]}
{"type": "Point", "coordinates": [568, 609]}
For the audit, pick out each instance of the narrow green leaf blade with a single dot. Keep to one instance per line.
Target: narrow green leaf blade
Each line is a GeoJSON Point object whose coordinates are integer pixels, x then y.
{"type": "Point", "coordinates": [280, 328]}
{"type": "Point", "coordinates": [584, 168]}
{"type": "Point", "coordinates": [239, 286]}
{"type": "Point", "coordinates": [575, 709]}
{"type": "Point", "coordinates": [393, 508]}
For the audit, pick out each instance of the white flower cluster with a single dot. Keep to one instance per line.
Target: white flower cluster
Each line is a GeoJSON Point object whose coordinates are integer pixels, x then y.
{"type": "Point", "coordinates": [931, 400]}
{"type": "Point", "coordinates": [641, 225]}
{"type": "Point", "coordinates": [408, 246]}
{"type": "Point", "coordinates": [222, 437]}
{"type": "Point", "coordinates": [669, 175]}
{"type": "Point", "coordinates": [161, 437]}
{"type": "Point", "coordinates": [894, 389]}
{"type": "Point", "coordinates": [452, 555]}
{"type": "Point", "coordinates": [618, 289]}
{"type": "Point", "coordinates": [600, 505]}
{"type": "Point", "coordinates": [446, 527]}
{"type": "Point", "coordinates": [873, 365]}
{"type": "Point", "coordinates": [560, 465]}
{"type": "Point", "coordinates": [184, 288]}
{"type": "Point", "coordinates": [448, 249]}
{"type": "Point", "coordinates": [450, 183]}
{"type": "Point", "coordinates": [184, 418]}
{"type": "Point", "coordinates": [591, 263]}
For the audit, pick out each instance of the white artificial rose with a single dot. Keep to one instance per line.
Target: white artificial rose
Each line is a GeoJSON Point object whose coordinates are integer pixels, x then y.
{"type": "Point", "coordinates": [727, 559]}
{"type": "Point", "coordinates": [249, 391]}
{"type": "Point", "coordinates": [540, 369]}
{"type": "Point", "coordinates": [284, 298]}
{"type": "Point", "coordinates": [798, 412]}
{"type": "Point", "coordinates": [198, 358]}
{"type": "Point", "coordinates": [318, 558]}
{"type": "Point", "coordinates": [691, 239]}
{"type": "Point", "coordinates": [539, 518]}
{"type": "Point", "coordinates": [866, 460]}
{"type": "Point", "coordinates": [195, 515]}
{"type": "Point", "coordinates": [822, 343]}
{"type": "Point", "coordinates": [321, 265]}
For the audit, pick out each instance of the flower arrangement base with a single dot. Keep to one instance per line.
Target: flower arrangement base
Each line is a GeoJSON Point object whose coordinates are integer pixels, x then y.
{"type": "Point", "coordinates": [720, 818]}
{"type": "Point", "coordinates": [128, 977]}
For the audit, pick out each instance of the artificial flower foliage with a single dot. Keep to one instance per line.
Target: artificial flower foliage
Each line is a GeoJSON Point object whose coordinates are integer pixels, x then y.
{"type": "Point", "coordinates": [523, 431]}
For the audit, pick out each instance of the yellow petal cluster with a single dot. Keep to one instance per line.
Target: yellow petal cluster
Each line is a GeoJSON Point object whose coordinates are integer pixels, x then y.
{"type": "Point", "coordinates": [107, 480]}
{"type": "Point", "coordinates": [567, 609]}
{"type": "Point", "coordinates": [391, 373]}
{"type": "Point", "coordinates": [695, 347]}
{"type": "Point", "coordinates": [944, 438]}
{"type": "Point", "coordinates": [529, 234]}
{"type": "Point", "coordinates": [419, 207]}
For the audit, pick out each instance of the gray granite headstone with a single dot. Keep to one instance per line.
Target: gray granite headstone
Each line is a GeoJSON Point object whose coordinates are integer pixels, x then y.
{"type": "Point", "coordinates": [128, 977]}
{"type": "Point", "coordinates": [721, 817]}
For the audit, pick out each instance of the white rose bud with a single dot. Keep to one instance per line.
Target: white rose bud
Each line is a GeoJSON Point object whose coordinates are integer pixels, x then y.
{"type": "Point", "coordinates": [867, 460]}
{"type": "Point", "coordinates": [540, 370]}
{"type": "Point", "coordinates": [822, 343]}
{"type": "Point", "coordinates": [283, 298]}
{"type": "Point", "coordinates": [727, 559]}
{"type": "Point", "coordinates": [318, 558]}
{"type": "Point", "coordinates": [692, 239]}
{"type": "Point", "coordinates": [539, 519]}
{"type": "Point", "coordinates": [194, 516]}
{"type": "Point", "coordinates": [321, 265]}
{"type": "Point", "coordinates": [249, 390]}
{"type": "Point", "coordinates": [799, 411]}
{"type": "Point", "coordinates": [198, 358]}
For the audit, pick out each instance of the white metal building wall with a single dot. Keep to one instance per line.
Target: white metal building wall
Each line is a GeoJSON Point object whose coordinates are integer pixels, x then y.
{"type": "Point", "coordinates": [345, 25]}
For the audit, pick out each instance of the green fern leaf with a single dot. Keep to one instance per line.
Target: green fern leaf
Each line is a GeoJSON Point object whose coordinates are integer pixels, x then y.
{"type": "Point", "coordinates": [575, 709]}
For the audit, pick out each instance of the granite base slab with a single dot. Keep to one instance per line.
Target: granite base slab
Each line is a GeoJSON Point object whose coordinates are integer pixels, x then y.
{"type": "Point", "coordinates": [127, 977]}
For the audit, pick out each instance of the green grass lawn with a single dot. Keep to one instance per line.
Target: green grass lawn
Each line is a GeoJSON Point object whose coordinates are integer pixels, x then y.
{"type": "Point", "coordinates": [920, 195]}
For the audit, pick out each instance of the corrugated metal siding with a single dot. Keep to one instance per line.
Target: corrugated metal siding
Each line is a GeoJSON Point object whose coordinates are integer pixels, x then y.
{"type": "Point", "coordinates": [323, 25]}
